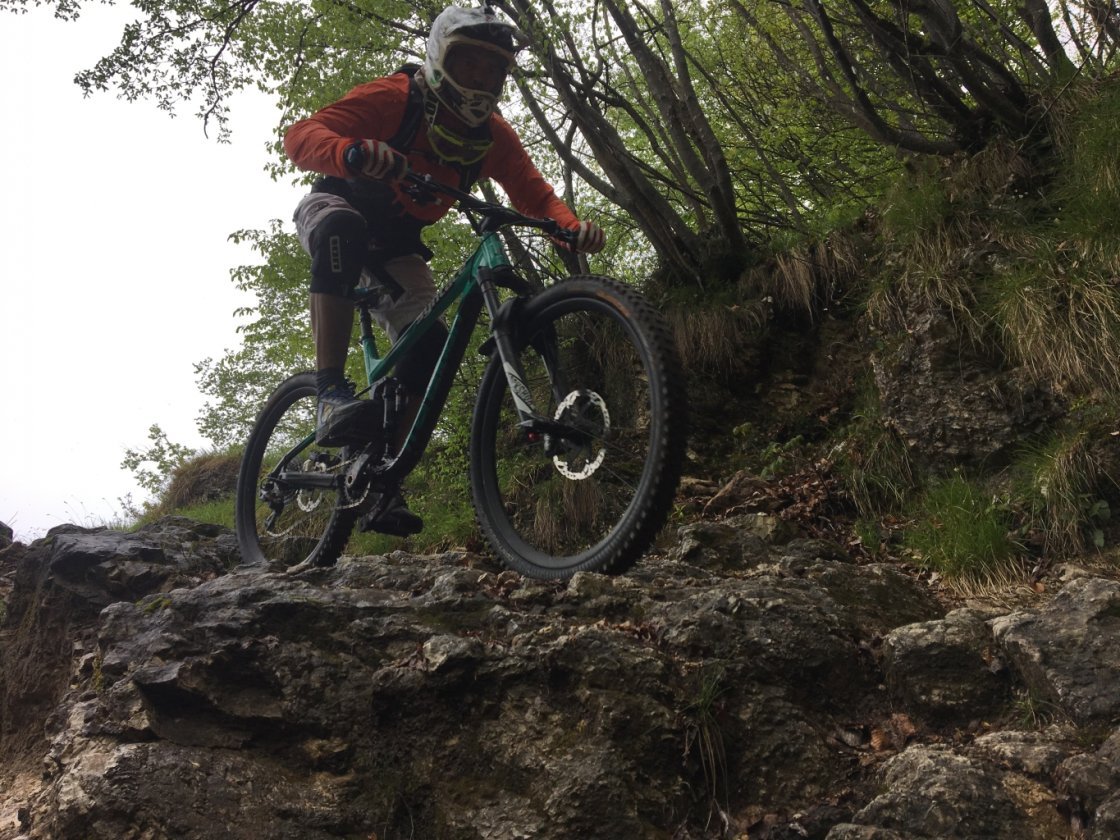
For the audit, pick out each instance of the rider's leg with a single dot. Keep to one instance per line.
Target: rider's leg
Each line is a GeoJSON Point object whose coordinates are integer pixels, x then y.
{"type": "Point", "coordinates": [334, 234]}
{"type": "Point", "coordinates": [391, 514]}
{"type": "Point", "coordinates": [332, 320]}
{"type": "Point", "coordinates": [412, 273]}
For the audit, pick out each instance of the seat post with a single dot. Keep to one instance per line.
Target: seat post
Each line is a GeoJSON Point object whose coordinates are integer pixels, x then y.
{"type": "Point", "coordinates": [367, 324]}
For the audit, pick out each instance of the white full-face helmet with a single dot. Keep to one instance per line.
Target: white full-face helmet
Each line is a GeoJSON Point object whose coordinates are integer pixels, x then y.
{"type": "Point", "coordinates": [480, 28]}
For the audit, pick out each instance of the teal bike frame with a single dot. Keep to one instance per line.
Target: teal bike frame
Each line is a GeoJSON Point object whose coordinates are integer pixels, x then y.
{"type": "Point", "coordinates": [475, 285]}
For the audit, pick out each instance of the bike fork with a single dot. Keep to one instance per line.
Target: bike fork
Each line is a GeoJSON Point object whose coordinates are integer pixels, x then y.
{"type": "Point", "coordinates": [531, 420]}
{"type": "Point", "coordinates": [511, 362]}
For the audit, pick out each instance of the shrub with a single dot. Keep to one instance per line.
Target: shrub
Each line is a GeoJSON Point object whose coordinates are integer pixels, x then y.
{"type": "Point", "coordinates": [963, 533]}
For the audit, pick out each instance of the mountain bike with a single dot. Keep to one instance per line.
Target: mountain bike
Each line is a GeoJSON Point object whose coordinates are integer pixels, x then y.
{"type": "Point", "coordinates": [577, 435]}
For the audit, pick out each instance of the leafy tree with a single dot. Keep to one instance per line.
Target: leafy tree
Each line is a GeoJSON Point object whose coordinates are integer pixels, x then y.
{"type": "Point", "coordinates": [698, 132]}
{"type": "Point", "coordinates": [276, 339]}
{"type": "Point", "coordinates": [153, 465]}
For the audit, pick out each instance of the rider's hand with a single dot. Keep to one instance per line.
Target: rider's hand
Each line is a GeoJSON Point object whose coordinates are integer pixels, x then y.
{"type": "Point", "coordinates": [590, 238]}
{"type": "Point", "coordinates": [376, 159]}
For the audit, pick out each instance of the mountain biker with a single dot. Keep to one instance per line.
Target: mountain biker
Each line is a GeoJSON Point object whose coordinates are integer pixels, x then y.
{"type": "Point", "coordinates": [360, 227]}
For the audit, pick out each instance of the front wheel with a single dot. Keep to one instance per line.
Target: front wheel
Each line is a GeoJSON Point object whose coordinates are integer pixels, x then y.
{"type": "Point", "coordinates": [290, 507]}
{"type": "Point", "coordinates": [591, 491]}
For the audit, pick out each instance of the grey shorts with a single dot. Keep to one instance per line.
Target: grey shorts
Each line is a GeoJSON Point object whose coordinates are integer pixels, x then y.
{"type": "Point", "coordinates": [411, 272]}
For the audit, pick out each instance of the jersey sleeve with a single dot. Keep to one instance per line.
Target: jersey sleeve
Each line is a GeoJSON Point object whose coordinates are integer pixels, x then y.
{"type": "Point", "coordinates": [509, 164]}
{"type": "Point", "coordinates": [370, 111]}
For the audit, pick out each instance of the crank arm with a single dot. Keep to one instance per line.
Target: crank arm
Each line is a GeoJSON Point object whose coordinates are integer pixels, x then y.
{"type": "Point", "coordinates": [308, 480]}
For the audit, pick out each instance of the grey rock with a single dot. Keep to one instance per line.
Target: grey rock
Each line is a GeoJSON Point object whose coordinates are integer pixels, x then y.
{"type": "Point", "coordinates": [707, 691]}
{"type": "Point", "coordinates": [947, 402]}
{"type": "Point", "coordinates": [1090, 780]}
{"type": "Point", "coordinates": [934, 792]}
{"type": "Point", "coordinates": [850, 831]}
{"type": "Point", "coordinates": [1067, 652]}
{"type": "Point", "coordinates": [946, 669]}
{"type": "Point", "coordinates": [1036, 754]}
{"type": "Point", "coordinates": [1106, 820]}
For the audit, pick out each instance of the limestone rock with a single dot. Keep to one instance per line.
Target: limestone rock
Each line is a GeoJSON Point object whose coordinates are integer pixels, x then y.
{"type": "Point", "coordinates": [946, 669]}
{"type": "Point", "coordinates": [727, 686]}
{"type": "Point", "coordinates": [1066, 652]}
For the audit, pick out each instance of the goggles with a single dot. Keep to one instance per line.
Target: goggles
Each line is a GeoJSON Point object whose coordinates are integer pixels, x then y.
{"type": "Point", "coordinates": [450, 147]}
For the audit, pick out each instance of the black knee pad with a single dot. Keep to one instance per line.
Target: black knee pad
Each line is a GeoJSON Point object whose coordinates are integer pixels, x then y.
{"type": "Point", "coordinates": [338, 252]}
{"type": "Point", "coordinates": [415, 369]}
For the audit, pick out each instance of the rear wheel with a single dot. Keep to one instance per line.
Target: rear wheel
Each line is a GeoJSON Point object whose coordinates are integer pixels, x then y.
{"type": "Point", "coordinates": [592, 493]}
{"type": "Point", "coordinates": [304, 519]}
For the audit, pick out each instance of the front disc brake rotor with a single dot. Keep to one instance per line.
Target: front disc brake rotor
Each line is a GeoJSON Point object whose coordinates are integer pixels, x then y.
{"type": "Point", "coordinates": [587, 412]}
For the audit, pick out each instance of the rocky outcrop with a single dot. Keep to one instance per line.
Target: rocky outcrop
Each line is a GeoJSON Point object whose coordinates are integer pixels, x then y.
{"type": "Point", "coordinates": [727, 687]}
{"type": "Point", "coordinates": [949, 402]}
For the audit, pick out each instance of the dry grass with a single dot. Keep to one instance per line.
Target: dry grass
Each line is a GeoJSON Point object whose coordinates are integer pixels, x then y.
{"type": "Point", "coordinates": [566, 508]}
{"type": "Point", "coordinates": [1061, 320]}
{"type": "Point", "coordinates": [204, 478]}
{"type": "Point", "coordinates": [932, 273]}
{"type": "Point", "coordinates": [713, 338]}
{"type": "Point", "coordinates": [1066, 483]}
{"type": "Point", "coordinates": [806, 277]}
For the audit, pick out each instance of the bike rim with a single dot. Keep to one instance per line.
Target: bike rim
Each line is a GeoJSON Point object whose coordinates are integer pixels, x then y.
{"type": "Point", "coordinates": [289, 524]}
{"type": "Point", "coordinates": [563, 511]}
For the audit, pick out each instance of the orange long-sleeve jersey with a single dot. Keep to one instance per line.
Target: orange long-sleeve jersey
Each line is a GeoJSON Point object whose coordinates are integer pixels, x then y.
{"type": "Point", "coordinates": [375, 110]}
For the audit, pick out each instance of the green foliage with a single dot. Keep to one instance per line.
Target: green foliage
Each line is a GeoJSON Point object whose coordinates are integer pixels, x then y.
{"type": "Point", "coordinates": [705, 137]}
{"type": "Point", "coordinates": [214, 511]}
{"type": "Point", "coordinates": [276, 338]}
{"type": "Point", "coordinates": [1053, 295]}
{"type": "Point", "coordinates": [152, 466]}
{"type": "Point", "coordinates": [1088, 189]}
{"type": "Point", "coordinates": [915, 204]}
{"type": "Point", "coordinates": [1063, 485]}
{"type": "Point", "coordinates": [873, 463]}
{"type": "Point", "coordinates": [782, 458]}
{"type": "Point", "coordinates": [199, 485]}
{"type": "Point", "coordinates": [704, 733]}
{"type": "Point", "coordinates": [963, 532]}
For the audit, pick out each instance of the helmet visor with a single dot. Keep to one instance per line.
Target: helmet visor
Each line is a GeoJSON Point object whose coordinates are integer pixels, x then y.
{"type": "Point", "coordinates": [475, 65]}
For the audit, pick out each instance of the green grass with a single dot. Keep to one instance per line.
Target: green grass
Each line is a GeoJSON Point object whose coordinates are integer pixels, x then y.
{"type": "Point", "coordinates": [445, 526]}
{"type": "Point", "coordinates": [215, 511]}
{"type": "Point", "coordinates": [1064, 484]}
{"type": "Point", "coordinates": [873, 462]}
{"type": "Point", "coordinates": [963, 532]}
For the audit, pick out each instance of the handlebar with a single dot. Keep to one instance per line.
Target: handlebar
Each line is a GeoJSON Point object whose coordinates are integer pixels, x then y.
{"type": "Point", "coordinates": [494, 216]}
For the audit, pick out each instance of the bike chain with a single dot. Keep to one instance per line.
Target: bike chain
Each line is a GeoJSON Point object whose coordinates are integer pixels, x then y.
{"type": "Point", "coordinates": [340, 466]}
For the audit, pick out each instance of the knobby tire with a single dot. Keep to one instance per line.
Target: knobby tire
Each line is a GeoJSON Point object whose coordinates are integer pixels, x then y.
{"type": "Point", "coordinates": [313, 527]}
{"type": "Point", "coordinates": [599, 504]}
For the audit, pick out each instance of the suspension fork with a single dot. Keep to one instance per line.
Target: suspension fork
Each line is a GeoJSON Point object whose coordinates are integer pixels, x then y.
{"type": "Point", "coordinates": [511, 362]}
{"type": "Point", "coordinates": [501, 318]}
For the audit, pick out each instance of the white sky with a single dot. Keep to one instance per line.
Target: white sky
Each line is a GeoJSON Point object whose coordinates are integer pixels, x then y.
{"type": "Point", "coordinates": [114, 266]}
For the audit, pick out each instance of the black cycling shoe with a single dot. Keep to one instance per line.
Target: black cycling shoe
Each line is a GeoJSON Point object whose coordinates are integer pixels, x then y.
{"type": "Point", "coordinates": [337, 415]}
{"type": "Point", "coordinates": [390, 515]}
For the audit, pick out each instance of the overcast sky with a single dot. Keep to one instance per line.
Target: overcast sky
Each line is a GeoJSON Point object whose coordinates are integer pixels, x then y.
{"type": "Point", "coordinates": [115, 267]}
